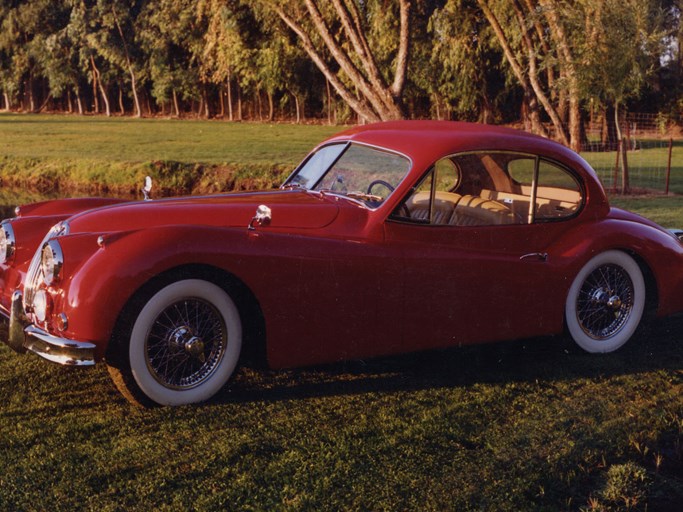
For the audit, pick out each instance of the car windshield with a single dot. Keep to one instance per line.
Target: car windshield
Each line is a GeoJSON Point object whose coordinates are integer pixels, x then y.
{"type": "Point", "coordinates": [357, 171]}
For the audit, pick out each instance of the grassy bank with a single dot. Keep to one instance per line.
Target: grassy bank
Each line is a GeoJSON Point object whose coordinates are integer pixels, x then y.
{"type": "Point", "coordinates": [85, 154]}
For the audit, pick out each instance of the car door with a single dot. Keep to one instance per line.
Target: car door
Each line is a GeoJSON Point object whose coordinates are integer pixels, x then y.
{"type": "Point", "coordinates": [478, 265]}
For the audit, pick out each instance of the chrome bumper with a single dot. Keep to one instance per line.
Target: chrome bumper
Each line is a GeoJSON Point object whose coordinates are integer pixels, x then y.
{"type": "Point", "coordinates": [23, 336]}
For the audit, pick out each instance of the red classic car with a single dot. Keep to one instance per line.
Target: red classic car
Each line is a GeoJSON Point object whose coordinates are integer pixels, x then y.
{"type": "Point", "coordinates": [388, 238]}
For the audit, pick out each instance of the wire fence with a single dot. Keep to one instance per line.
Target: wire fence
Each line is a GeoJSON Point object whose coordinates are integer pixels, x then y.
{"type": "Point", "coordinates": [644, 148]}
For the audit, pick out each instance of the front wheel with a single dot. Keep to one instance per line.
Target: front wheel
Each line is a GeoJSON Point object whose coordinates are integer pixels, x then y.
{"type": "Point", "coordinates": [183, 345]}
{"type": "Point", "coordinates": [605, 302]}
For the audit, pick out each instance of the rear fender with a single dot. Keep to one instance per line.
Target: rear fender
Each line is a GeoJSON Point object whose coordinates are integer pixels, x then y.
{"type": "Point", "coordinates": [658, 252]}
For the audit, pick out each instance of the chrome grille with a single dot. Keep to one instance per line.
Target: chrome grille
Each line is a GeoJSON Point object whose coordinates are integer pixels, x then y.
{"type": "Point", "coordinates": [35, 273]}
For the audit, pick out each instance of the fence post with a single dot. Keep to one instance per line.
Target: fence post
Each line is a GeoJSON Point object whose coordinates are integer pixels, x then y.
{"type": "Point", "coordinates": [668, 165]}
{"type": "Point", "coordinates": [625, 186]}
{"type": "Point", "coordinates": [617, 153]}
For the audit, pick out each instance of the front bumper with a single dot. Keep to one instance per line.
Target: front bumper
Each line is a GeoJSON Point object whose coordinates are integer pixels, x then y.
{"type": "Point", "coordinates": [23, 336]}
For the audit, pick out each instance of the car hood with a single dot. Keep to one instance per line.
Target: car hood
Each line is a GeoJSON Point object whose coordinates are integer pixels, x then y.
{"type": "Point", "coordinates": [290, 210]}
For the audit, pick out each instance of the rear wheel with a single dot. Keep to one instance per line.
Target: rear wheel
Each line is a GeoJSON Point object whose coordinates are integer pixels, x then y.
{"type": "Point", "coordinates": [606, 301]}
{"type": "Point", "coordinates": [182, 346]}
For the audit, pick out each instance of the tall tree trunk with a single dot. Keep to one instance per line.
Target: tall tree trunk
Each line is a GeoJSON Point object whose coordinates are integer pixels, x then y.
{"type": "Point", "coordinates": [102, 90]}
{"type": "Point", "coordinates": [354, 58]}
{"type": "Point", "coordinates": [131, 71]}
{"type": "Point", "coordinates": [329, 102]}
{"type": "Point", "coordinates": [239, 103]}
{"type": "Point", "coordinates": [530, 92]}
{"type": "Point", "coordinates": [105, 99]}
{"type": "Point", "coordinates": [96, 101]}
{"type": "Point", "coordinates": [271, 107]}
{"type": "Point", "coordinates": [257, 99]}
{"type": "Point", "coordinates": [79, 102]}
{"type": "Point", "coordinates": [534, 79]}
{"type": "Point", "coordinates": [230, 115]}
{"type": "Point", "coordinates": [176, 108]}
{"type": "Point", "coordinates": [221, 102]}
{"type": "Point", "coordinates": [30, 92]}
{"type": "Point", "coordinates": [148, 104]}
{"type": "Point", "coordinates": [8, 106]}
{"type": "Point", "coordinates": [122, 109]}
{"type": "Point", "coordinates": [296, 106]}
{"type": "Point", "coordinates": [205, 100]}
{"type": "Point", "coordinates": [559, 35]}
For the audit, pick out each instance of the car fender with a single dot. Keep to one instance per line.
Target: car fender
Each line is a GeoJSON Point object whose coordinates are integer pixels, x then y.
{"type": "Point", "coordinates": [656, 250]}
{"type": "Point", "coordinates": [102, 283]}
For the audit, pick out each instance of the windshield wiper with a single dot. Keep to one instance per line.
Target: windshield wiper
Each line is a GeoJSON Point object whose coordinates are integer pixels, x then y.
{"type": "Point", "coordinates": [291, 185]}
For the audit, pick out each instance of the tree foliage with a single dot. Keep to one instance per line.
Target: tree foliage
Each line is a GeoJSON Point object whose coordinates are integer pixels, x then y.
{"type": "Point", "coordinates": [550, 63]}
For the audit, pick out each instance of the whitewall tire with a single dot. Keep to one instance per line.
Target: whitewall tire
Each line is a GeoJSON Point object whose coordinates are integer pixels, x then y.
{"type": "Point", "coordinates": [184, 343]}
{"type": "Point", "coordinates": [606, 301]}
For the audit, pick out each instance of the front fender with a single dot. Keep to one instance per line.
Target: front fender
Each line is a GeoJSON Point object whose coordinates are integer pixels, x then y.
{"type": "Point", "coordinates": [101, 284]}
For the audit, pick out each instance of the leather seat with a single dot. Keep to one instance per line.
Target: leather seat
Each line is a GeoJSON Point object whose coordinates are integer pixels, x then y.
{"type": "Point", "coordinates": [476, 211]}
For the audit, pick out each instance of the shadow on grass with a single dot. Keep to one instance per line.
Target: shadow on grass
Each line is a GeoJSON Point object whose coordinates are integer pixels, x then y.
{"type": "Point", "coordinates": [542, 360]}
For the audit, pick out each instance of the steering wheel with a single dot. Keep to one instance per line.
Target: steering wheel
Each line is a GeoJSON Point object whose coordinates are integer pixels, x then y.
{"type": "Point", "coordinates": [379, 182]}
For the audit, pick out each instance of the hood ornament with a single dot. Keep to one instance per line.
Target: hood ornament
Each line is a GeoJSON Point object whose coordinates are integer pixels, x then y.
{"type": "Point", "coordinates": [147, 188]}
{"type": "Point", "coordinates": [262, 218]}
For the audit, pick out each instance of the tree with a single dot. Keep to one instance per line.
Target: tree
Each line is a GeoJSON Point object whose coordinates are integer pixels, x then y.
{"type": "Point", "coordinates": [463, 75]}
{"type": "Point", "coordinates": [172, 35]}
{"type": "Point", "coordinates": [24, 28]}
{"type": "Point", "coordinates": [337, 38]}
{"type": "Point", "coordinates": [518, 38]}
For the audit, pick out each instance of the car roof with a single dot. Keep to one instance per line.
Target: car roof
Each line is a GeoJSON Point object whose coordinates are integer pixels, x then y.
{"type": "Point", "coordinates": [430, 140]}
{"type": "Point", "coordinates": [425, 142]}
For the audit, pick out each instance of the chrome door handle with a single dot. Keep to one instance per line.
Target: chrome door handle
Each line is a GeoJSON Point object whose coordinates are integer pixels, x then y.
{"type": "Point", "coordinates": [541, 256]}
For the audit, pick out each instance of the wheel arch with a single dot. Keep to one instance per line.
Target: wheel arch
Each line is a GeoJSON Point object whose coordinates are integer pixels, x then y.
{"type": "Point", "coordinates": [651, 285]}
{"type": "Point", "coordinates": [251, 315]}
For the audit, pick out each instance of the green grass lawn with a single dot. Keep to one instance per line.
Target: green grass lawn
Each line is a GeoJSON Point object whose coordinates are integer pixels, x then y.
{"type": "Point", "coordinates": [77, 155]}
{"type": "Point", "coordinates": [123, 139]}
{"type": "Point", "coordinates": [647, 166]}
{"type": "Point", "coordinates": [532, 425]}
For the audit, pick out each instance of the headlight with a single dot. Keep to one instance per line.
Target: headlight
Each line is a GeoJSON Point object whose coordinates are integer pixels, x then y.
{"type": "Point", "coordinates": [7, 242]}
{"type": "Point", "coordinates": [51, 261]}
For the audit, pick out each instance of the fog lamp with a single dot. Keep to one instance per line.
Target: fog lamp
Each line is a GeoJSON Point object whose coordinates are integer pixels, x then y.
{"type": "Point", "coordinates": [41, 305]}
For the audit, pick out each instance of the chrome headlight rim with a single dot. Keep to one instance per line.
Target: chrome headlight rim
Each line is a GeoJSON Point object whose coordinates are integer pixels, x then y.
{"type": "Point", "coordinates": [7, 242]}
{"type": "Point", "coordinates": [51, 262]}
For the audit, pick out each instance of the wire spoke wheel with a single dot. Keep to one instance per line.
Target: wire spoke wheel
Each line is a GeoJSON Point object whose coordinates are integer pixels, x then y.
{"type": "Point", "coordinates": [186, 343]}
{"type": "Point", "coordinates": [183, 344]}
{"type": "Point", "coordinates": [605, 301]}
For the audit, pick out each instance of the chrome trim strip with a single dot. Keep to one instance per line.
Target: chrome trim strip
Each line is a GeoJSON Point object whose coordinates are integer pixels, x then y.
{"type": "Point", "coordinates": [59, 350]}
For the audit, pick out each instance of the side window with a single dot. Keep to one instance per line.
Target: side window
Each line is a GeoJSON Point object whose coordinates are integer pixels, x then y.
{"type": "Point", "coordinates": [463, 190]}
{"type": "Point", "coordinates": [447, 175]}
{"type": "Point", "coordinates": [431, 201]}
{"type": "Point", "coordinates": [490, 189]}
{"type": "Point", "coordinates": [558, 194]}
